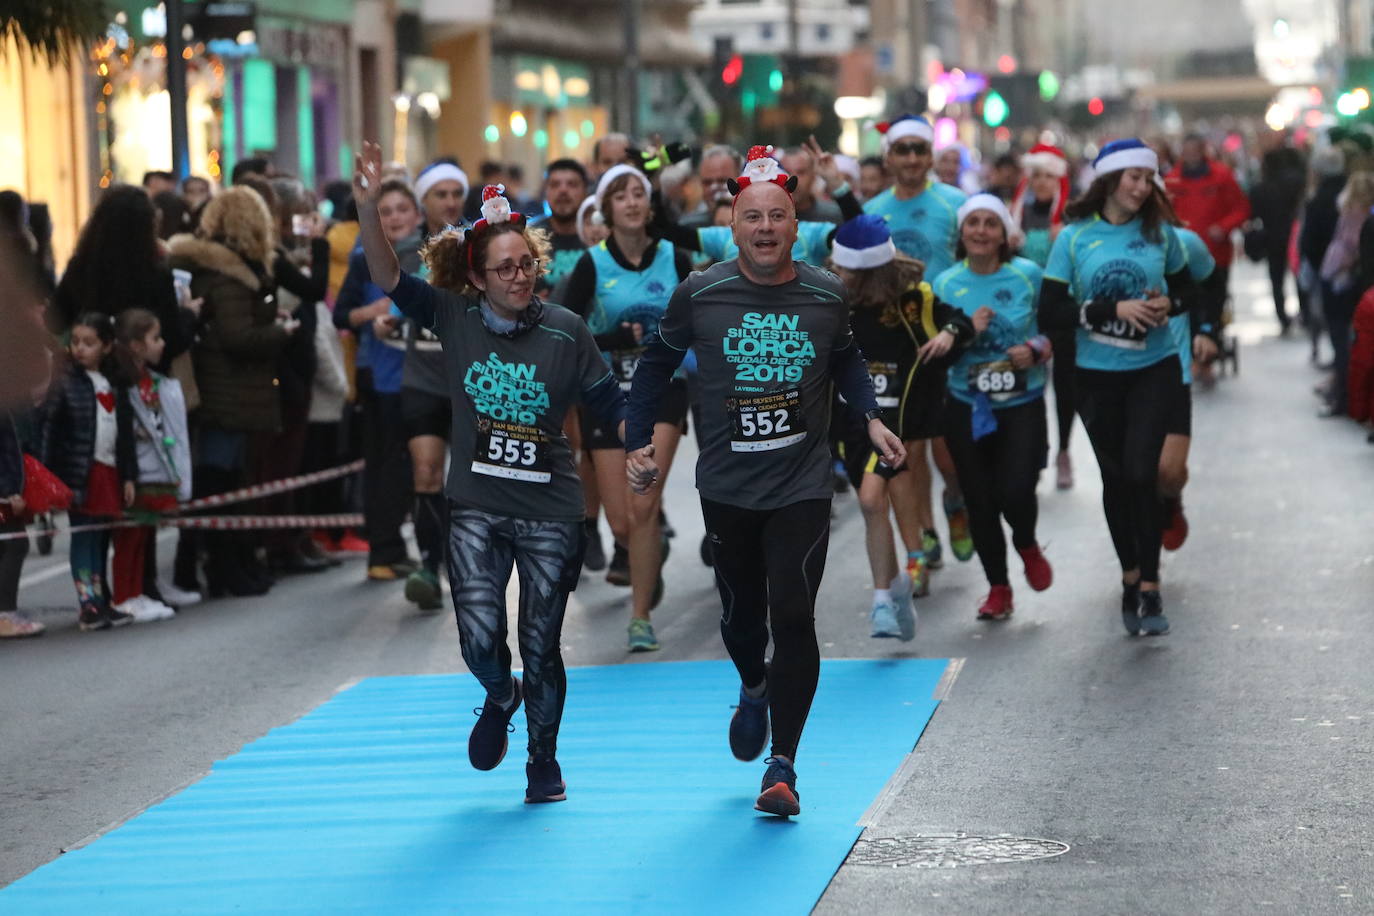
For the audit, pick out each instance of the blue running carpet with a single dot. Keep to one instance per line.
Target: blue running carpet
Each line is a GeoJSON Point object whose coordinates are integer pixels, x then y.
{"type": "Point", "coordinates": [368, 804]}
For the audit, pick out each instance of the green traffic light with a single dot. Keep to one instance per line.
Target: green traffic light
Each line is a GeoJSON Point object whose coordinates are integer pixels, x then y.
{"type": "Point", "coordinates": [995, 109]}
{"type": "Point", "coordinates": [1049, 85]}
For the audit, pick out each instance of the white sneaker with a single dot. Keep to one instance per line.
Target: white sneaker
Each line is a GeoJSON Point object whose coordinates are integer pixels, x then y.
{"type": "Point", "coordinates": [178, 596]}
{"type": "Point", "coordinates": [905, 610]}
{"type": "Point", "coordinates": [147, 610]}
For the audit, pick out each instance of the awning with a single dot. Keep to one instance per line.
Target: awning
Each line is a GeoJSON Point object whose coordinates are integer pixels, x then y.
{"type": "Point", "coordinates": [1209, 89]}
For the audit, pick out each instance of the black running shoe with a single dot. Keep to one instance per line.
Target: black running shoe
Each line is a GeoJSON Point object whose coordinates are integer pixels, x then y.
{"type": "Point", "coordinates": [1130, 607]}
{"type": "Point", "coordinates": [595, 557]}
{"type": "Point", "coordinates": [779, 791]}
{"type": "Point", "coordinates": [544, 782]}
{"type": "Point", "coordinates": [618, 573]}
{"type": "Point", "coordinates": [117, 618]}
{"type": "Point", "coordinates": [491, 735]}
{"type": "Point", "coordinates": [1152, 619]}
{"type": "Point", "coordinates": [749, 726]}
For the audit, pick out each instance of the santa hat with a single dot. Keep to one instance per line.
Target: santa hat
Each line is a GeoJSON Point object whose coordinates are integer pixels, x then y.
{"type": "Point", "coordinates": [1044, 158]}
{"type": "Point", "coordinates": [906, 125]}
{"type": "Point", "coordinates": [760, 167]}
{"type": "Point", "coordinates": [611, 175]}
{"type": "Point", "coordinates": [985, 201]}
{"type": "Point", "coordinates": [495, 209]}
{"type": "Point", "coordinates": [439, 171]}
{"type": "Point", "coordinates": [587, 210]}
{"type": "Point", "coordinates": [1120, 155]}
{"type": "Point", "coordinates": [863, 243]}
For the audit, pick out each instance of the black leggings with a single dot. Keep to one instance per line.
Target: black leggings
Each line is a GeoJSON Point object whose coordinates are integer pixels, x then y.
{"type": "Point", "coordinates": [548, 558]}
{"type": "Point", "coordinates": [998, 474]}
{"type": "Point", "coordinates": [1063, 370]}
{"type": "Point", "coordinates": [12, 554]}
{"type": "Point", "coordinates": [768, 566]}
{"type": "Point", "coordinates": [1278, 271]}
{"type": "Point", "coordinates": [1127, 416]}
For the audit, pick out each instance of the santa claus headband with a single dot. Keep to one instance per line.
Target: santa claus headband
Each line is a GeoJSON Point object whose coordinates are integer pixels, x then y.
{"type": "Point", "coordinates": [587, 210]}
{"type": "Point", "coordinates": [906, 126]}
{"type": "Point", "coordinates": [761, 168]}
{"type": "Point", "coordinates": [1125, 154]}
{"type": "Point", "coordinates": [1046, 158]}
{"type": "Point", "coordinates": [611, 175]}
{"type": "Point", "coordinates": [440, 171]}
{"type": "Point", "coordinates": [495, 209]}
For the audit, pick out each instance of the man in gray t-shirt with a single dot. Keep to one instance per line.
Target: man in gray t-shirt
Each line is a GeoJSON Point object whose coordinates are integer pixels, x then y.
{"type": "Point", "coordinates": [770, 335]}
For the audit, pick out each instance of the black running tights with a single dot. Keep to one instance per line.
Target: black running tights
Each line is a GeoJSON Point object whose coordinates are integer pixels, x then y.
{"type": "Point", "coordinates": [548, 558]}
{"type": "Point", "coordinates": [1064, 371]}
{"type": "Point", "coordinates": [768, 566]}
{"type": "Point", "coordinates": [998, 474]}
{"type": "Point", "coordinates": [1126, 415]}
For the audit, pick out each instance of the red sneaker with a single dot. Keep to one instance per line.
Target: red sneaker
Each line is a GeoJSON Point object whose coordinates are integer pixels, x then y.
{"type": "Point", "coordinates": [1175, 524]}
{"type": "Point", "coordinates": [997, 605]}
{"type": "Point", "coordinates": [1038, 571]}
{"type": "Point", "coordinates": [351, 543]}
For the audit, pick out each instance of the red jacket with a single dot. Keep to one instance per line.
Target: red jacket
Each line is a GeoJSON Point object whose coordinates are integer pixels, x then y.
{"type": "Point", "coordinates": [1360, 384]}
{"type": "Point", "coordinates": [1212, 200]}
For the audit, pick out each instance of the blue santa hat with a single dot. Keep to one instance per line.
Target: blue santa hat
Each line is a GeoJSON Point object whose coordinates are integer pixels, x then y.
{"type": "Point", "coordinates": [1119, 155]}
{"type": "Point", "coordinates": [863, 243]}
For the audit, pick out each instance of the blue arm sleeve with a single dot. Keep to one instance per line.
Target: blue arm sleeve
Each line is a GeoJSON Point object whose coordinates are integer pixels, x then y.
{"type": "Point", "coordinates": [652, 376]}
{"type": "Point", "coordinates": [849, 369]}
{"type": "Point", "coordinates": [606, 400]}
{"type": "Point", "coordinates": [416, 299]}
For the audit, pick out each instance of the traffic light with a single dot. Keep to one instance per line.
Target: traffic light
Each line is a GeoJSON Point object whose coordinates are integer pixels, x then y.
{"type": "Point", "coordinates": [734, 69]}
{"type": "Point", "coordinates": [995, 109]}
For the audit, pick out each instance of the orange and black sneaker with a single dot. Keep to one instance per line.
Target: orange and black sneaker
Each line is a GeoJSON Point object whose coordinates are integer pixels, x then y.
{"type": "Point", "coordinates": [779, 791]}
{"type": "Point", "coordinates": [1175, 524]}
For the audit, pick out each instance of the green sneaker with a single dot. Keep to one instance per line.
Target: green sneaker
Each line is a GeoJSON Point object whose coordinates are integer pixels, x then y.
{"type": "Point", "coordinates": [422, 587]}
{"type": "Point", "coordinates": [931, 550]}
{"type": "Point", "coordinates": [642, 637]}
{"type": "Point", "coordinates": [960, 535]}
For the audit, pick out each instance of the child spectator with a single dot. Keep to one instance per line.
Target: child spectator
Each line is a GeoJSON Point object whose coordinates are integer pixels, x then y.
{"type": "Point", "coordinates": [163, 451]}
{"type": "Point", "coordinates": [88, 442]}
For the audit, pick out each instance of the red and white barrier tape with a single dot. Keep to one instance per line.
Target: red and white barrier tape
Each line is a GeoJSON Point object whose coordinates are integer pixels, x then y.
{"type": "Point", "coordinates": [272, 487]}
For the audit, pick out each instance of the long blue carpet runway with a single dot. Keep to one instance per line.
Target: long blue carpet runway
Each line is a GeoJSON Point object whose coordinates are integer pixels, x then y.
{"type": "Point", "coordinates": [368, 804]}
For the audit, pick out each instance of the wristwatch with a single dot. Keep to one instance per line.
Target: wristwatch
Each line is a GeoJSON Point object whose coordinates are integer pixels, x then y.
{"type": "Point", "coordinates": [874, 414]}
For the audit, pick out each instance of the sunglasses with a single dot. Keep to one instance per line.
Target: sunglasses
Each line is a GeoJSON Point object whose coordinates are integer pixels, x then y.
{"type": "Point", "coordinates": [910, 149]}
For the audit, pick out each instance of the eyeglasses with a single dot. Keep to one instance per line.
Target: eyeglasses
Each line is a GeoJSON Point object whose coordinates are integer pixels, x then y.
{"type": "Point", "coordinates": [909, 149]}
{"type": "Point", "coordinates": [527, 266]}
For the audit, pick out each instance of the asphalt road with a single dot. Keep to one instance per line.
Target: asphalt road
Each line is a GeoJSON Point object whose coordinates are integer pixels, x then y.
{"type": "Point", "coordinates": [1222, 768]}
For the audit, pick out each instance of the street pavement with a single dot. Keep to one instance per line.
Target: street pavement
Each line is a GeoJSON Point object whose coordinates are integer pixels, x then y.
{"type": "Point", "coordinates": [1223, 768]}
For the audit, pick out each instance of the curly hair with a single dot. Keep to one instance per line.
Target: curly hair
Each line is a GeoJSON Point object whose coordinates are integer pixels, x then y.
{"type": "Point", "coordinates": [116, 260]}
{"type": "Point", "coordinates": [883, 287]}
{"type": "Point", "coordinates": [239, 219]}
{"type": "Point", "coordinates": [446, 254]}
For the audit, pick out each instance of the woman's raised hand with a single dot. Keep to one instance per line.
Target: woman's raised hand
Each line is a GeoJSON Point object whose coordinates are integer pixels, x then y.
{"type": "Point", "coordinates": [367, 174]}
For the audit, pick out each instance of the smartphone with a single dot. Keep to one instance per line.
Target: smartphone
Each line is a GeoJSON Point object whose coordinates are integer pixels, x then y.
{"type": "Point", "coordinates": [181, 279]}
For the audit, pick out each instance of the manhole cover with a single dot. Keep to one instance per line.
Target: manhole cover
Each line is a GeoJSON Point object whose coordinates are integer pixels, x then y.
{"type": "Point", "coordinates": [951, 850]}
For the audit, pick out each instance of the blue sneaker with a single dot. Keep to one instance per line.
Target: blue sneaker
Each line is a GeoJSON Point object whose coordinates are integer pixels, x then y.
{"type": "Point", "coordinates": [544, 782]}
{"type": "Point", "coordinates": [905, 610]}
{"type": "Point", "coordinates": [491, 735]}
{"type": "Point", "coordinates": [749, 726]}
{"type": "Point", "coordinates": [779, 790]}
{"type": "Point", "coordinates": [1130, 608]}
{"type": "Point", "coordinates": [1152, 619]}
{"type": "Point", "coordinates": [883, 620]}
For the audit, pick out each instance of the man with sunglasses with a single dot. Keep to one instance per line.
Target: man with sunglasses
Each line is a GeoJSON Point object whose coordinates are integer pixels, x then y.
{"type": "Point", "coordinates": [923, 217]}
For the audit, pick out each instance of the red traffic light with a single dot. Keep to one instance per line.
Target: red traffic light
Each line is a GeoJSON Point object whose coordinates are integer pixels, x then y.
{"type": "Point", "coordinates": [1095, 107]}
{"type": "Point", "coordinates": [733, 71]}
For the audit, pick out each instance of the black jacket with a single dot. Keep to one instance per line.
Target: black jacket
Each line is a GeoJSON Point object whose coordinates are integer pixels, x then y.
{"type": "Point", "coordinates": [11, 458]}
{"type": "Point", "coordinates": [68, 439]}
{"type": "Point", "coordinates": [1319, 220]}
